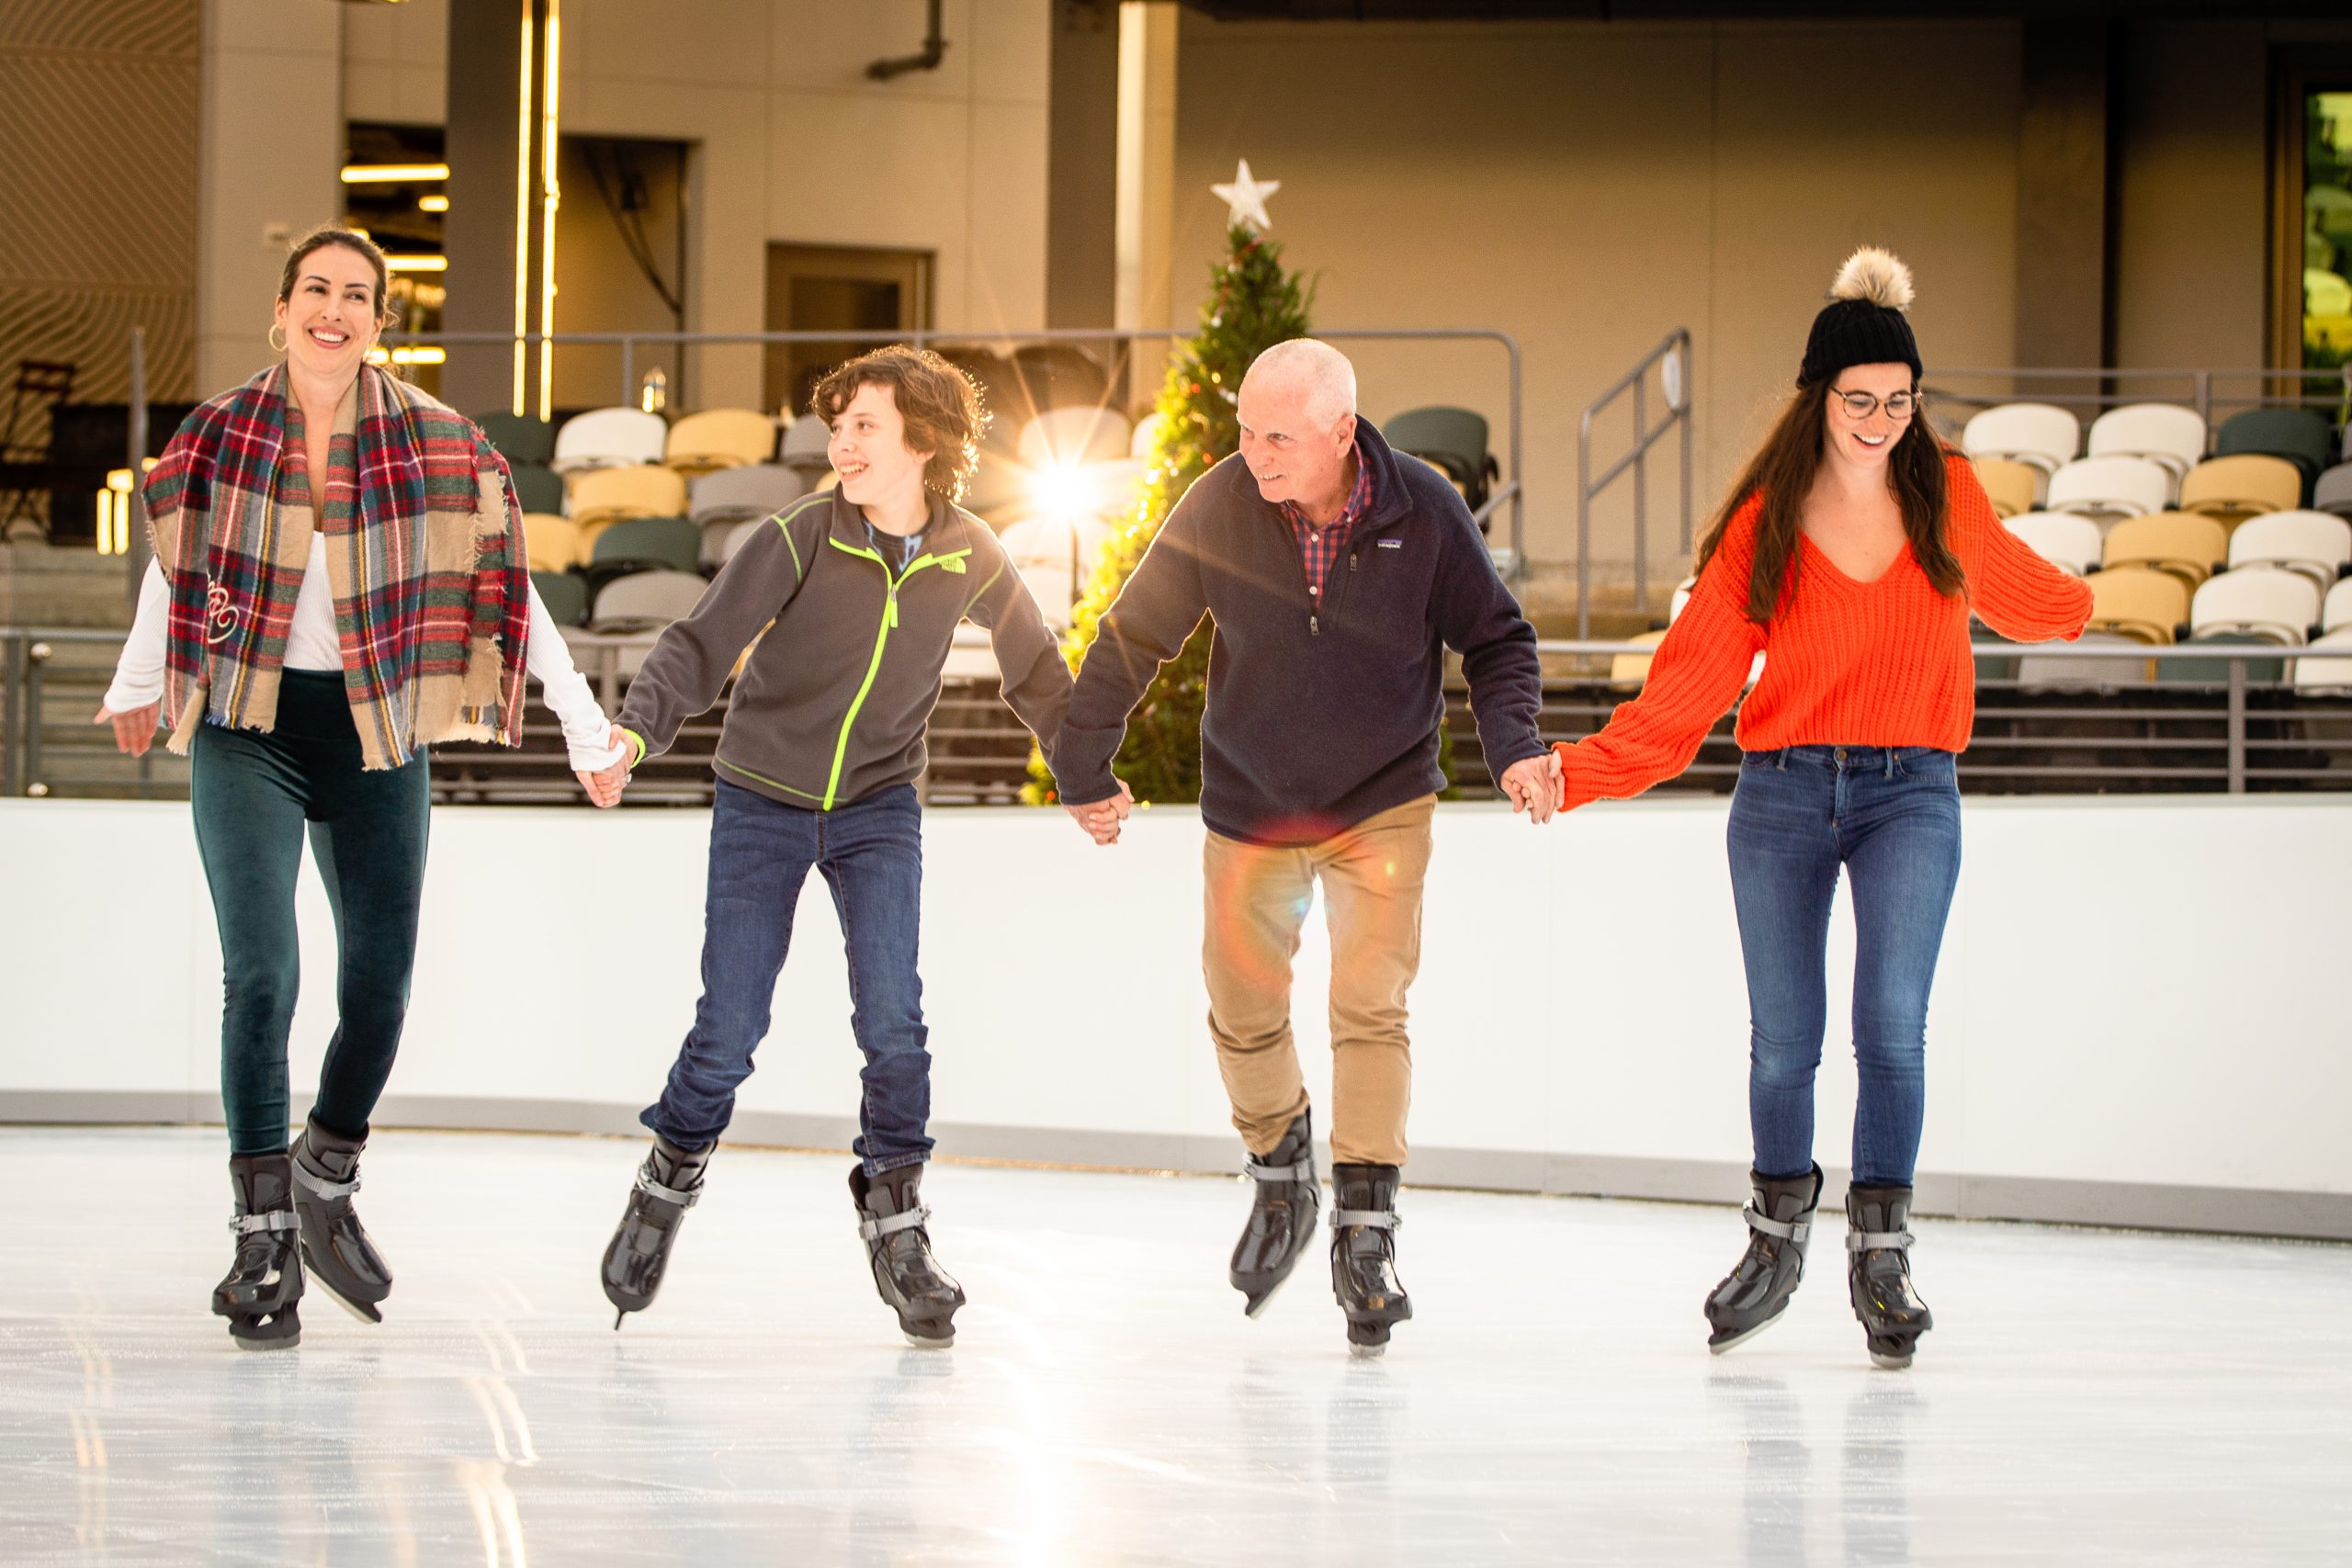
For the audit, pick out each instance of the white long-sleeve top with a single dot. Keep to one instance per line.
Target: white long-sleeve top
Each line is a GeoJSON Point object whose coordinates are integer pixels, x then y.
{"type": "Point", "coordinates": [311, 644]}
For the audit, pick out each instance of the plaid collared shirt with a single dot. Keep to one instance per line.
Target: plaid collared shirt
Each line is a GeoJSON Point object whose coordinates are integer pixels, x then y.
{"type": "Point", "coordinates": [1321, 546]}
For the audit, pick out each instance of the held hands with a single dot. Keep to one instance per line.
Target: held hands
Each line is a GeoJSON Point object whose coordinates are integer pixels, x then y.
{"type": "Point", "coordinates": [604, 787]}
{"type": "Point", "coordinates": [133, 731]}
{"type": "Point", "coordinates": [1102, 818]}
{"type": "Point", "coordinates": [1535, 785]}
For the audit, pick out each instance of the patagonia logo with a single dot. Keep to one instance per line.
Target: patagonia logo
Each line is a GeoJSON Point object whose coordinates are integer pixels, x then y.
{"type": "Point", "coordinates": [1391, 544]}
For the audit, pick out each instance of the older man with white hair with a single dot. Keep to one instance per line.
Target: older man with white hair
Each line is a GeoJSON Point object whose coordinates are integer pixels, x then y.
{"type": "Point", "coordinates": [1337, 573]}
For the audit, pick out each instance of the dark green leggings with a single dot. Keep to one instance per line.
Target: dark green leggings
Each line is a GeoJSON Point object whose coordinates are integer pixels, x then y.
{"type": "Point", "coordinates": [253, 794]}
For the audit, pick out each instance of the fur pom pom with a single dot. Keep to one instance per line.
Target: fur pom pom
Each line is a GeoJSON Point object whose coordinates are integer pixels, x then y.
{"type": "Point", "coordinates": [1876, 275]}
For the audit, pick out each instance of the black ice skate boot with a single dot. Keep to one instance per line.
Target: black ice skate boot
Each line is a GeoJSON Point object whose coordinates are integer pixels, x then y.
{"type": "Point", "coordinates": [259, 1292]}
{"type": "Point", "coordinates": [1878, 1272]}
{"type": "Point", "coordinates": [1363, 1255]}
{"type": "Point", "coordinates": [334, 1246]}
{"type": "Point", "coordinates": [1282, 1215]}
{"type": "Point", "coordinates": [890, 1217]}
{"type": "Point", "coordinates": [668, 1184]}
{"type": "Point", "coordinates": [1752, 1297]}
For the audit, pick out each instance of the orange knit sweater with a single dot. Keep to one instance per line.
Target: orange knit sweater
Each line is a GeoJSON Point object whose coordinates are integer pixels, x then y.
{"type": "Point", "coordinates": [1846, 664]}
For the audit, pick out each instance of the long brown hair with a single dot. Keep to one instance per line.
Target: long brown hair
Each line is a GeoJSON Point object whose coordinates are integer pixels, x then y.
{"type": "Point", "coordinates": [1782, 472]}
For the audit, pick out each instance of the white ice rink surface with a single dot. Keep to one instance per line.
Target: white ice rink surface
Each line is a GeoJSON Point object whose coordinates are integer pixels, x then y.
{"type": "Point", "coordinates": [2087, 1397]}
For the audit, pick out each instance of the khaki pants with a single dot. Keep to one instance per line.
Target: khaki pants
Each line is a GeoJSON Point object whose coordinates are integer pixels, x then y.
{"type": "Point", "coordinates": [1257, 900]}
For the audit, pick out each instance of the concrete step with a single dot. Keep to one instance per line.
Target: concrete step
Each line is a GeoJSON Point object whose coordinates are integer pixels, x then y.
{"type": "Point", "coordinates": [42, 585]}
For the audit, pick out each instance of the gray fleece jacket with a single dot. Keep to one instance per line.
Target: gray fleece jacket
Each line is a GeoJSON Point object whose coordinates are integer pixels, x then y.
{"type": "Point", "coordinates": [833, 702]}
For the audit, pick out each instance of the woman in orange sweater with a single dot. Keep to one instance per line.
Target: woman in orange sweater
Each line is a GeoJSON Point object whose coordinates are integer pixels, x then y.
{"type": "Point", "coordinates": [1850, 554]}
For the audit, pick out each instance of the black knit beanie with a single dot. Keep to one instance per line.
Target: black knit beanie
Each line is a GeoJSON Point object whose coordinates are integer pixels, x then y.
{"type": "Point", "coordinates": [1864, 323]}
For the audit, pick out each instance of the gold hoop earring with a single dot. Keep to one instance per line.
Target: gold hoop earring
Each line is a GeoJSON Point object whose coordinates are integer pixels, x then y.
{"type": "Point", "coordinates": [277, 337]}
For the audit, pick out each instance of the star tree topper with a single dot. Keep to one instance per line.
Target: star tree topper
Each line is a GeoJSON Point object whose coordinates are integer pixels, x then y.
{"type": "Point", "coordinates": [1245, 199]}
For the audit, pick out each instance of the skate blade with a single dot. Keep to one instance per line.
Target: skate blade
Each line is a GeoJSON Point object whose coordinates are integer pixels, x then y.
{"type": "Point", "coordinates": [364, 1312]}
{"type": "Point", "coordinates": [1890, 1363]}
{"type": "Point", "coordinates": [288, 1343]}
{"type": "Point", "coordinates": [1717, 1346]}
{"type": "Point", "coordinates": [1254, 1305]}
{"type": "Point", "coordinates": [920, 1343]}
{"type": "Point", "coordinates": [1367, 1352]}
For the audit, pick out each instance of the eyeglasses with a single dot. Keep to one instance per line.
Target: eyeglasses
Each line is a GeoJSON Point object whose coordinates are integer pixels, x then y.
{"type": "Point", "coordinates": [1861, 405]}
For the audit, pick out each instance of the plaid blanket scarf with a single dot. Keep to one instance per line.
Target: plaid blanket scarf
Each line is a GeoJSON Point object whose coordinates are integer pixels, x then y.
{"type": "Point", "coordinates": [432, 597]}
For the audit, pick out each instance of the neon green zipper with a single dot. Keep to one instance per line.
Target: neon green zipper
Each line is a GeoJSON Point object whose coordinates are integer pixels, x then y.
{"type": "Point", "coordinates": [952, 561]}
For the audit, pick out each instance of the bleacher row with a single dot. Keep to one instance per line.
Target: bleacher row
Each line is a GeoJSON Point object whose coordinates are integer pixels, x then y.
{"type": "Point", "coordinates": [2241, 540]}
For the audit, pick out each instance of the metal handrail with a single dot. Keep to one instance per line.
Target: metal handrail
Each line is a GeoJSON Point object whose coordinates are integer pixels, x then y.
{"type": "Point", "coordinates": [2199, 394]}
{"type": "Point", "coordinates": [923, 337]}
{"type": "Point", "coordinates": [1672, 356]}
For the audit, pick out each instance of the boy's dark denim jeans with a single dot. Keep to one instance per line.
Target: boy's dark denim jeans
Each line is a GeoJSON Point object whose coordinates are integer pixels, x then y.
{"type": "Point", "coordinates": [870, 854]}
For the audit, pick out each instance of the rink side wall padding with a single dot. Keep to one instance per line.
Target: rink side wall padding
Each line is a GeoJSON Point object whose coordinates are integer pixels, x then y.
{"type": "Point", "coordinates": [2139, 1017]}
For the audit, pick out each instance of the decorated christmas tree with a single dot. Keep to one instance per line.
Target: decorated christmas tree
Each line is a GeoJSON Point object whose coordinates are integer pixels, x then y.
{"type": "Point", "coordinates": [1252, 304]}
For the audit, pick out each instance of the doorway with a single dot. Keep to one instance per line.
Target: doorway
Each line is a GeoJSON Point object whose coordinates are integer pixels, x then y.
{"type": "Point", "coordinates": [870, 296]}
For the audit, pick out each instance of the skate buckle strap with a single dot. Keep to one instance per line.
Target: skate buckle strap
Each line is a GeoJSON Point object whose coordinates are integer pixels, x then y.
{"type": "Point", "coordinates": [1877, 1241]}
{"type": "Point", "coordinates": [685, 1199]}
{"type": "Point", "coordinates": [890, 1225]}
{"type": "Point", "coordinates": [275, 1220]}
{"type": "Point", "coordinates": [1302, 1172]}
{"type": "Point", "coordinates": [1794, 1230]}
{"type": "Point", "coordinates": [1371, 1219]}
{"type": "Point", "coordinates": [320, 1187]}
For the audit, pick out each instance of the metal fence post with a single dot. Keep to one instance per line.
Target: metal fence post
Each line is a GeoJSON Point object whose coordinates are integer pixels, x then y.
{"type": "Point", "coordinates": [1682, 413]}
{"type": "Point", "coordinates": [628, 372]}
{"type": "Point", "coordinates": [2237, 724]}
{"type": "Point", "coordinates": [12, 674]}
{"type": "Point", "coordinates": [1584, 528]}
{"type": "Point", "coordinates": [35, 657]}
{"type": "Point", "coordinates": [1641, 495]}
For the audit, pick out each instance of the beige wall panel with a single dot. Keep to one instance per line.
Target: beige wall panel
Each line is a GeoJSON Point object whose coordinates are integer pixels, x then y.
{"type": "Point", "coordinates": [718, 44]}
{"type": "Point", "coordinates": [2192, 249]}
{"type": "Point", "coordinates": [1924, 163]}
{"type": "Point", "coordinates": [273, 140]}
{"type": "Point", "coordinates": [1004, 285]}
{"type": "Point", "coordinates": [1006, 40]}
{"type": "Point", "coordinates": [395, 61]}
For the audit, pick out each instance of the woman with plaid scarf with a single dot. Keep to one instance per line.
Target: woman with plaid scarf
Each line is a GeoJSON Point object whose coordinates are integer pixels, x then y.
{"type": "Point", "coordinates": [340, 582]}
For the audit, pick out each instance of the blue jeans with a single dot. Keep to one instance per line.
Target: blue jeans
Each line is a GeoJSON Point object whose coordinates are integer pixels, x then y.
{"type": "Point", "coordinates": [1892, 817]}
{"type": "Point", "coordinates": [870, 854]}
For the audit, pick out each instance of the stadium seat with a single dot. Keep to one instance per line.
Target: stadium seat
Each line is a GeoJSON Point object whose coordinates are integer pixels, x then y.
{"type": "Point", "coordinates": [805, 440]}
{"type": "Point", "coordinates": [755, 489]}
{"type": "Point", "coordinates": [2335, 611]}
{"type": "Point", "coordinates": [2216, 672]}
{"type": "Point", "coordinates": [2327, 677]}
{"type": "Point", "coordinates": [645, 600]}
{"type": "Point", "coordinates": [521, 437]}
{"type": "Point", "coordinates": [1072, 437]}
{"type": "Point", "coordinates": [2106, 489]}
{"type": "Point", "coordinates": [2313, 543]}
{"type": "Point", "coordinates": [551, 542]}
{"type": "Point", "coordinates": [736, 535]}
{"type": "Point", "coordinates": [2012, 486]}
{"type": "Point", "coordinates": [633, 544]}
{"type": "Point", "coordinates": [719, 438]}
{"type": "Point", "coordinates": [2139, 602]}
{"type": "Point", "coordinates": [2188, 544]}
{"type": "Point", "coordinates": [1055, 557]}
{"type": "Point", "coordinates": [2241, 486]}
{"type": "Point", "coordinates": [2040, 435]}
{"type": "Point", "coordinates": [2263, 601]}
{"type": "Point", "coordinates": [2064, 539]}
{"type": "Point", "coordinates": [2044, 673]}
{"type": "Point", "coordinates": [2168, 435]}
{"type": "Point", "coordinates": [539, 489]}
{"type": "Point", "coordinates": [565, 596]}
{"type": "Point", "coordinates": [2333, 491]}
{"type": "Point", "coordinates": [643, 490]}
{"type": "Point", "coordinates": [1630, 669]}
{"type": "Point", "coordinates": [607, 438]}
{"type": "Point", "coordinates": [1453, 439]}
{"type": "Point", "coordinates": [1148, 430]}
{"type": "Point", "coordinates": [2299, 435]}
